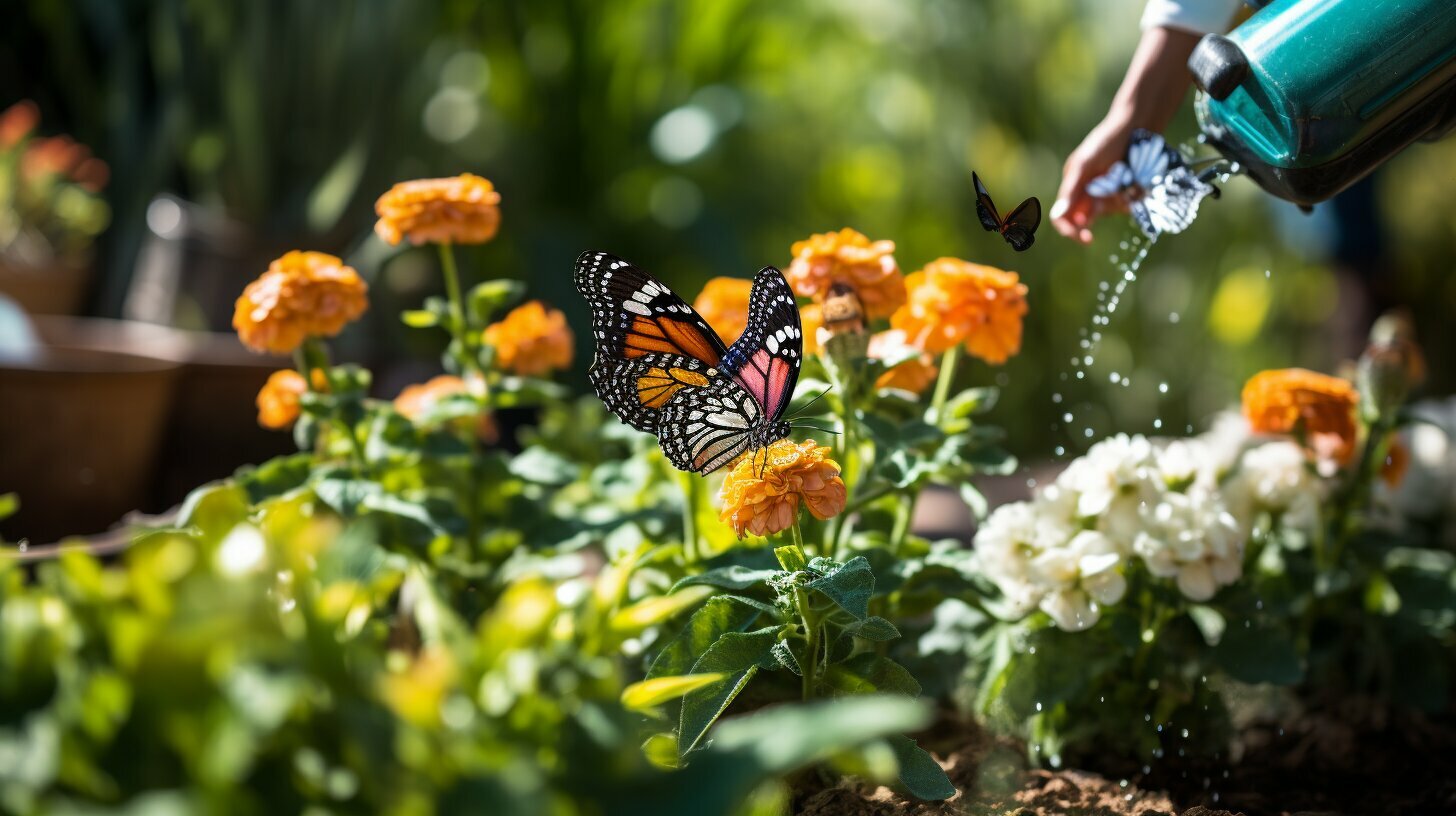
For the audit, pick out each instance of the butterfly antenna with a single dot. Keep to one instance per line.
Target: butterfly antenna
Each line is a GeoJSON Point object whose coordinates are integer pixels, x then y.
{"type": "Point", "coordinates": [815, 428]}
{"type": "Point", "coordinates": [811, 402]}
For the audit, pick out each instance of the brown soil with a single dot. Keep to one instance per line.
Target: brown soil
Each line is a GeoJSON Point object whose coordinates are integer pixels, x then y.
{"type": "Point", "coordinates": [1342, 760]}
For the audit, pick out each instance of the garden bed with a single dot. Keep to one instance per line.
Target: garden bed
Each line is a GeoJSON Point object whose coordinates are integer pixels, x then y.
{"type": "Point", "coordinates": [1342, 758]}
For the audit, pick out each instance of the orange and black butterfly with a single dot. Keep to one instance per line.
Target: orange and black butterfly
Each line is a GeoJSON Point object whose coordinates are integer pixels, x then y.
{"type": "Point", "coordinates": [662, 369]}
{"type": "Point", "coordinates": [1018, 228]}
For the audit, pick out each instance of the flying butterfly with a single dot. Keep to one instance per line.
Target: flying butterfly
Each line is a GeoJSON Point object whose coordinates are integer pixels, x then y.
{"type": "Point", "coordinates": [1160, 190]}
{"type": "Point", "coordinates": [1018, 228]}
{"type": "Point", "coordinates": [662, 369]}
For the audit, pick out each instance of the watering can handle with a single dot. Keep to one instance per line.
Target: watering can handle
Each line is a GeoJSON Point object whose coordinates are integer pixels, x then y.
{"type": "Point", "coordinates": [1218, 66]}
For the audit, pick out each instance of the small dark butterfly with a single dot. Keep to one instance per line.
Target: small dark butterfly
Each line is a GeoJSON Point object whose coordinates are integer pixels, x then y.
{"type": "Point", "coordinates": [662, 369]}
{"type": "Point", "coordinates": [1018, 228]}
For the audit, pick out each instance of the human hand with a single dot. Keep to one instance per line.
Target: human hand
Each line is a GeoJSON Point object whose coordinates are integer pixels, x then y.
{"type": "Point", "coordinates": [1075, 210]}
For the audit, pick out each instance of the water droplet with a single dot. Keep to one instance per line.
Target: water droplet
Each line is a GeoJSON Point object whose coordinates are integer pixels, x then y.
{"type": "Point", "coordinates": [1061, 451]}
{"type": "Point", "coordinates": [1067, 417]}
{"type": "Point", "coordinates": [1031, 483]}
{"type": "Point", "coordinates": [1113, 376]}
{"type": "Point", "coordinates": [1057, 398]}
{"type": "Point", "coordinates": [1185, 733]}
{"type": "Point", "coordinates": [1087, 433]}
{"type": "Point", "coordinates": [1038, 706]}
{"type": "Point", "coordinates": [1162, 388]}
{"type": "Point", "coordinates": [1157, 423]}
{"type": "Point", "coordinates": [1055, 760]}
{"type": "Point", "coordinates": [1172, 317]}
{"type": "Point", "coordinates": [1122, 783]}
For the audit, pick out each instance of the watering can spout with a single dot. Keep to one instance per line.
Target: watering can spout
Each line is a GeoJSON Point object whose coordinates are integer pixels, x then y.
{"type": "Point", "coordinates": [1310, 96]}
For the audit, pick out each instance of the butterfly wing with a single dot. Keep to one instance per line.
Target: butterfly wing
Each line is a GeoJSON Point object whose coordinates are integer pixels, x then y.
{"type": "Point", "coordinates": [985, 208]}
{"type": "Point", "coordinates": [1020, 227]}
{"type": "Point", "coordinates": [1172, 203]}
{"type": "Point", "coordinates": [1149, 157]}
{"type": "Point", "coordinates": [1115, 180]}
{"type": "Point", "coordinates": [703, 429]}
{"type": "Point", "coordinates": [765, 359]}
{"type": "Point", "coordinates": [637, 390]}
{"type": "Point", "coordinates": [635, 316]}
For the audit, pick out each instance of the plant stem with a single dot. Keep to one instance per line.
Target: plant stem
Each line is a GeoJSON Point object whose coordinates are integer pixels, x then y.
{"type": "Point", "coordinates": [943, 382]}
{"type": "Point", "coordinates": [1356, 490]}
{"type": "Point", "coordinates": [811, 626]}
{"type": "Point", "coordinates": [461, 327]}
{"type": "Point", "coordinates": [690, 521]}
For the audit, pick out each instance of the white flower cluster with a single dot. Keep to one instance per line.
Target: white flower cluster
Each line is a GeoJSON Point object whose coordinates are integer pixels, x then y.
{"type": "Point", "coordinates": [1184, 508]}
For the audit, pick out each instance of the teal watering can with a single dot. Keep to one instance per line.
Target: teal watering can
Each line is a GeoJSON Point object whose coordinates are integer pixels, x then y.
{"type": "Point", "coordinates": [1310, 96]}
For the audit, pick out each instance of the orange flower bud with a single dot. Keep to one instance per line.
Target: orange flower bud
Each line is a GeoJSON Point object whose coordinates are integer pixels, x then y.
{"type": "Point", "coordinates": [278, 399]}
{"type": "Point", "coordinates": [416, 401]}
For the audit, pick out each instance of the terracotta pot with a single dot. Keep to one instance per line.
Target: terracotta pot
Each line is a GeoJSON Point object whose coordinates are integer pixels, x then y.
{"type": "Point", "coordinates": [79, 434]}
{"type": "Point", "coordinates": [57, 289]}
{"type": "Point", "coordinates": [213, 425]}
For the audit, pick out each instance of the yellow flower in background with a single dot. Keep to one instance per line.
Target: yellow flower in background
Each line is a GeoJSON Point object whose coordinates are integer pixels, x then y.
{"type": "Point", "coordinates": [724, 304]}
{"type": "Point", "coordinates": [762, 492]}
{"type": "Point", "coordinates": [416, 693]}
{"type": "Point", "coordinates": [416, 402]}
{"type": "Point", "coordinates": [533, 340]}
{"type": "Point", "coordinates": [1290, 400]}
{"type": "Point", "coordinates": [278, 399]}
{"type": "Point", "coordinates": [914, 375]}
{"type": "Point", "coordinates": [848, 257]}
{"type": "Point", "coordinates": [302, 294]}
{"type": "Point", "coordinates": [811, 320]}
{"type": "Point", "coordinates": [953, 302]}
{"type": "Point", "coordinates": [459, 210]}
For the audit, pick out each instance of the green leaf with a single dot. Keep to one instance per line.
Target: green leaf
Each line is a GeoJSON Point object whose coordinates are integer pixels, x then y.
{"type": "Point", "coordinates": [770, 743]}
{"type": "Point", "coordinates": [849, 586]}
{"type": "Point", "coordinates": [275, 476]}
{"type": "Point", "coordinates": [214, 509]}
{"type": "Point", "coordinates": [791, 558]}
{"type": "Point", "coordinates": [735, 576]}
{"type": "Point", "coordinates": [644, 695]}
{"type": "Point", "coordinates": [870, 673]}
{"type": "Point", "coordinates": [921, 775]}
{"type": "Point", "coordinates": [972, 401]}
{"type": "Point", "coordinates": [875, 628]}
{"type": "Point", "coordinates": [9, 503]}
{"type": "Point", "coordinates": [720, 615]}
{"type": "Point", "coordinates": [488, 297]}
{"type": "Point", "coordinates": [1259, 654]}
{"type": "Point", "coordinates": [546, 467]}
{"type": "Point", "coordinates": [738, 656]}
{"type": "Point", "coordinates": [654, 610]}
{"type": "Point", "coordinates": [419, 318]}
{"type": "Point", "coordinates": [784, 654]}
{"type": "Point", "coordinates": [973, 498]}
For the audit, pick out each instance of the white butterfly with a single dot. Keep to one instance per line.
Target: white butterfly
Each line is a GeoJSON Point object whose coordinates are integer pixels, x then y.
{"type": "Point", "coordinates": [1161, 192]}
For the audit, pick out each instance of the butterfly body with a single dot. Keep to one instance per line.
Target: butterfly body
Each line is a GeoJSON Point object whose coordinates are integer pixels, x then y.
{"type": "Point", "coordinates": [1018, 228]}
{"type": "Point", "coordinates": [1160, 190]}
{"type": "Point", "coordinates": [662, 369]}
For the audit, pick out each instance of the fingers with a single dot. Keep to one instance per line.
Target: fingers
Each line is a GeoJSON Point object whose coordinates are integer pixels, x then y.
{"type": "Point", "coordinates": [1074, 210]}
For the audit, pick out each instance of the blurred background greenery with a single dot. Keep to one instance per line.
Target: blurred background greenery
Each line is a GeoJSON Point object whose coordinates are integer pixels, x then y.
{"type": "Point", "coordinates": [699, 138]}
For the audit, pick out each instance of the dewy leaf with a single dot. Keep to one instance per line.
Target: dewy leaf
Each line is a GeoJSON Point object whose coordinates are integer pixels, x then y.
{"type": "Point", "coordinates": [737, 655]}
{"type": "Point", "coordinates": [921, 775]}
{"type": "Point", "coordinates": [1209, 622]}
{"type": "Point", "coordinates": [719, 616]}
{"type": "Point", "coordinates": [645, 694]}
{"type": "Point", "coordinates": [849, 586]}
{"type": "Point", "coordinates": [784, 654]}
{"type": "Point", "coordinates": [736, 576]}
{"type": "Point", "coordinates": [544, 467]}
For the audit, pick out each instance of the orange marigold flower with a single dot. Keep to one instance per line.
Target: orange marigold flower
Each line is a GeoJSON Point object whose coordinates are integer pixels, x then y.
{"type": "Point", "coordinates": [762, 492]}
{"type": "Point", "coordinates": [914, 375]}
{"type": "Point", "coordinates": [278, 399]}
{"type": "Point", "coordinates": [416, 402]}
{"type": "Point", "coordinates": [303, 294]}
{"type": "Point", "coordinates": [1294, 400]}
{"type": "Point", "coordinates": [1397, 462]}
{"type": "Point", "coordinates": [532, 340]}
{"type": "Point", "coordinates": [952, 301]}
{"type": "Point", "coordinates": [724, 304]}
{"type": "Point", "coordinates": [848, 257]}
{"type": "Point", "coordinates": [458, 210]}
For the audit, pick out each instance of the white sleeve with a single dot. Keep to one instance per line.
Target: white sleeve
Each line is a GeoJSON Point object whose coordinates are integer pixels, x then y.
{"type": "Point", "coordinates": [1197, 16]}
